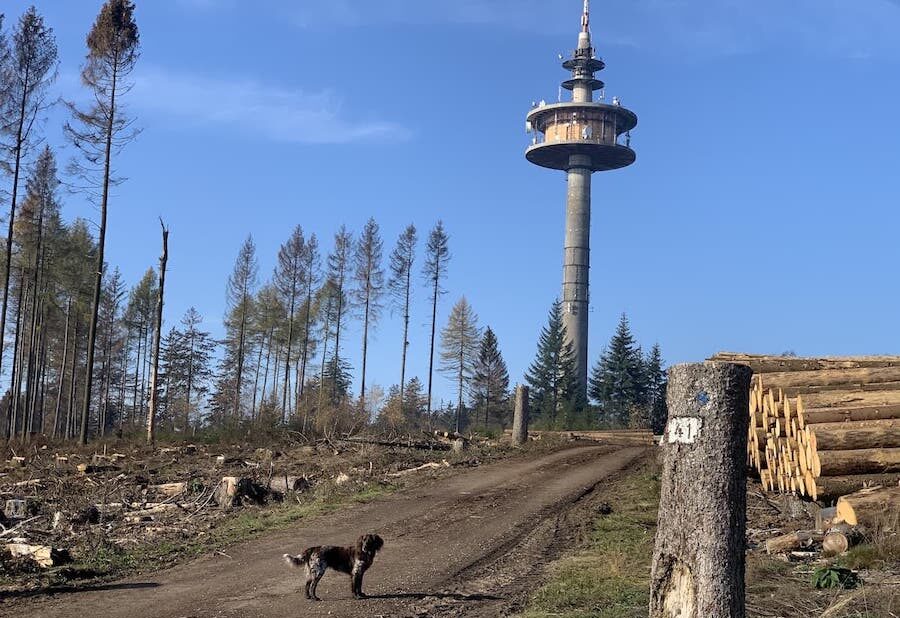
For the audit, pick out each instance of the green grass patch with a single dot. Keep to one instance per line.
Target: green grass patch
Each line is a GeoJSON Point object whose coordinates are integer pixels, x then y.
{"type": "Point", "coordinates": [610, 578]}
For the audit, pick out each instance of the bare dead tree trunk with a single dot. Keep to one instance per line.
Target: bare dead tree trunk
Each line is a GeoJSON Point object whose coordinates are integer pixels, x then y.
{"type": "Point", "coordinates": [145, 365]}
{"type": "Point", "coordinates": [43, 367]}
{"type": "Point", "coordinates": [520, 416]}
{"type": "Point", "coordinates": [124, 380]}
{"type": "Point", "coordinates": [19, 143]}
{"type": "Point", "coordinates": [434, 300]}
{"type": "Point", "coordinates": [698, 562]}
{"type": "Point", "coordinates": [262, 396]}
{"type": "Point", "coordinates": [253, 411]}
{"type": "Point", "coordinates": [98, 280]}
{"type": "Point", "coordinates": [16, 376]}
{"type": "Point", "coordinates": [70, 408]}
{"type": "Point", "coordinates": [240, 363]}
{"type": "Point", "coordinates": [137, 374]}
{"type": "Point", "coordinates": [62, 370]}
{"type": "Point", "coordinates": [157, 335]}
{"type": "Point", "coordinates": [365, 349]}
{"type": "Point", "coordinates": [190, 385]}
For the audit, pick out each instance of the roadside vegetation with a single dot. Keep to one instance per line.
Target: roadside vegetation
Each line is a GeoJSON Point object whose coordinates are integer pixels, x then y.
{"type": "Point", "coordinates": [610, 576]}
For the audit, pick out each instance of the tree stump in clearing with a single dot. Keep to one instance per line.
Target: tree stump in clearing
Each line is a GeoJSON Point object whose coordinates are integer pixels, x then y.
{"type": "Point", "coordinates": [698, 561]}
{"type": "Point", "coordinates": [520, 416]}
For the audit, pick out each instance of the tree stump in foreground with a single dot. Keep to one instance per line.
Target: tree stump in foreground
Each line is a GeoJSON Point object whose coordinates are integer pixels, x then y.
{"type": "Point", "coordinates": [520, 416]}
{"type": "Point", "coordinates": [698, 561]}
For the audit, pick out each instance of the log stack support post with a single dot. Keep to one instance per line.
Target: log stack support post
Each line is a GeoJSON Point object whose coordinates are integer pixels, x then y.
{"type": "Point", "coordinates": [699, 555]}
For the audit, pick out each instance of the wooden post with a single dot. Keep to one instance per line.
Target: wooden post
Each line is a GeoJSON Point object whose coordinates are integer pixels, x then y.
{"type": "Point", "coordinates": [698, 561]}
{"type": "Point", "coordinates": [157, 336]}
{"type": "Point", "coordinates": [520, 416]}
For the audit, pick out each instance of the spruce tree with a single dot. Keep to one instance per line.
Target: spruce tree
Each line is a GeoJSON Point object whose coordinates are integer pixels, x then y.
{"type": "Point", "coordinates": [414, 404]}
{"type": "Point", "coordinates": [553, 374]}
{"type": "Point", "coordinates": [490, 382]}
{"type": "Point", "coordinates": [618, 383]}
{"type": "Point", "coordinates": [656, 390]}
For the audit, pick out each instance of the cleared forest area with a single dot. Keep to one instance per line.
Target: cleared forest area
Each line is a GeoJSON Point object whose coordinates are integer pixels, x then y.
{"type": "Point", "coordinates": [75, 515]}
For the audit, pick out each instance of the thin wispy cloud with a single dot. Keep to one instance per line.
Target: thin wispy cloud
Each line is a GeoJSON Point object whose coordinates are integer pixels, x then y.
{"type": "Point", "coordinates": [256, 110]}
{"type": "Point", "coordinates": [824, 27]}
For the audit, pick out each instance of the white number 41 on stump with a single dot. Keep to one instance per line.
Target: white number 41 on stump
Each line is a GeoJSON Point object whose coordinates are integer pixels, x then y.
{"type": "Point", "coordinates": [683, 429]}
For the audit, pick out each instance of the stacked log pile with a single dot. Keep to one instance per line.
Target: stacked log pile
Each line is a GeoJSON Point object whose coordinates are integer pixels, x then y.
{"type": "Point", "coordinates": [823, 427]}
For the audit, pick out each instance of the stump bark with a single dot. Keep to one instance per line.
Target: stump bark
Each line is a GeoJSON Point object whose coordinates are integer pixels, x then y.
{"type": "Point", "coordinates": [520, 416]}
{"type": "Point", "coordinates": [698, 560]}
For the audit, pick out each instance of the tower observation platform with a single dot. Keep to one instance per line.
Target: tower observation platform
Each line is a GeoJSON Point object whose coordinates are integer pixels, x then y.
{"type": "Point", "coordinates": [580, 137]}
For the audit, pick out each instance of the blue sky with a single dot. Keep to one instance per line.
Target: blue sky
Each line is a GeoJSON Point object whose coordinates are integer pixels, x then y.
{"type": "Point", "coordinates": [761, 214]}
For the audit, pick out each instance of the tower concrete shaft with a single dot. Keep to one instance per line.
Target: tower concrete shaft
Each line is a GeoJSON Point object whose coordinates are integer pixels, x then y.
{"type": "Point", "coordinates": [577, 261]}
{"type": "Point", "coordinates": [580, 137]}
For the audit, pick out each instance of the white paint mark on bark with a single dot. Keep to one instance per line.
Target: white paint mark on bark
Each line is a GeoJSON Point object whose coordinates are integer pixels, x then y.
{"type": "Point", "coordinates": [684, 429]}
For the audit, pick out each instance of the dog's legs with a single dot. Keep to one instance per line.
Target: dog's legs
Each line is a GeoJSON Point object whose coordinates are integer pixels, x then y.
{"type": "Point", "coordinates": [356, 578]}
{"type": "Point", "coordinates": [315, 584]}
{"type": "Point", "coordinates": [314, 573]}
{"type": "Point", "coordinates": [309, 581]}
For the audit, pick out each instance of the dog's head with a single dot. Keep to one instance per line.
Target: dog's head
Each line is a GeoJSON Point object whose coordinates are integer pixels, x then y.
{"type": "Point", "coordinates": [370, 543]}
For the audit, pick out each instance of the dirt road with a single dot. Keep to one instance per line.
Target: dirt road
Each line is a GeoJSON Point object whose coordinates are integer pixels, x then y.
{"type": "Point", "coordinates": [469, 545]}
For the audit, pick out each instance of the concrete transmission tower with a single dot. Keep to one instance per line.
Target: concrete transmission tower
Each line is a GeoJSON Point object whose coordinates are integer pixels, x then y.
{"type": "Point", "coordinates": [580, 137]}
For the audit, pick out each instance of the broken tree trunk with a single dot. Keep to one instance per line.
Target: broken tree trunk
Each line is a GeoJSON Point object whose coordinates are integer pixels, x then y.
{"type": "Point", "coordinates": [157, 337]}
{"type": "Point", "coordinates": [698, 570]}
{"type": "Point", "coordinates": [520, 416]}
{"type": "Point", "coordinates": [869, 507]}
{"type": "Point", "coordinates": [839, 539]}
{"type": "Point", "coordinates": [225, 494]}
{"type": "Point", "coordinates": [792, 541]}
{"type": "Point", "coordinates": [170, 489]}
{"type": "Point", "coordinates": [283, 483]}
{"type": "Point", "coordinates": [42, 555]}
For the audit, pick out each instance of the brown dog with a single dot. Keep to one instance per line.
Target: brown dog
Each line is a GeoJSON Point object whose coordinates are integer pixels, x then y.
{"type": "Point", "coordinates": [354, 561]}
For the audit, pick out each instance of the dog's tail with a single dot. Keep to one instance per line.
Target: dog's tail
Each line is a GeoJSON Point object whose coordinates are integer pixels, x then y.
{"type": "Point", "coordinates": [297, 561]}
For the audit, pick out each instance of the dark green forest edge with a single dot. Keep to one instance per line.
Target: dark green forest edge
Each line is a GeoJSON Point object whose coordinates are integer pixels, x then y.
{"type": "Point", "coordinates": [84, 356]}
